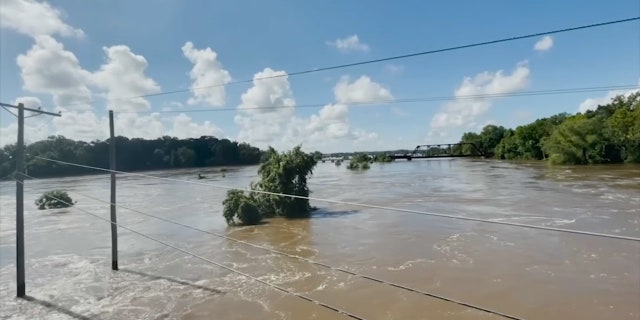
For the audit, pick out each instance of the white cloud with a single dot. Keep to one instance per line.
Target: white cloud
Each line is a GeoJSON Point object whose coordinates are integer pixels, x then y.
{"type": "Point", "coordinates": [82, 125]}
{"type": "Point", "coordinates": [362, 137]}
{"type": "Point", "coordinates": [265, 107]}
{"type": "Point", "coordinates": [348, 44]}
{"type": "Point", "coordinates": [36, 128]}
{"type": "Point", "coordinates": [544, 44]}
{"type": "Point", "coordinates": [464, 111]}
{"type": "Point", "coordinates": [184, 127]}
{"type": "Point", "coordinates": [268, 95]}
{"type": "Point", "coordinates": [34, 18]}
{"type": "Point", "coordinates": [207, 73]}
{"type": "Point", "coordinates": [48, 68]}
{"type": "Point", "coordinates": [123, 76]}
{"type": "Point", "coordinates": [331, 124]}
{"type": "Point", "coordinates": [360, 91]}
{"type": "Point", "coordinates": [267, 113]}
{"type": "Point", "coordinates": [593, 103]}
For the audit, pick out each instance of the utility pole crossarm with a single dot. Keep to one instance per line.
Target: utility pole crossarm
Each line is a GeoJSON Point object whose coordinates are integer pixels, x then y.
{"type": "Point", "coordinates": [31, 109]}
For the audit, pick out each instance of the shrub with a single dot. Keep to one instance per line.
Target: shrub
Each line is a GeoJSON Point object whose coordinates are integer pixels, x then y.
{"type": "Point", "coordinates": [359, 162]}
{"type": "Point", "coordinates": [382, 158]}
{"type": "Point", "coordinates": [239, 205]}
{"type": "Point", "coordinates": [54, 200]}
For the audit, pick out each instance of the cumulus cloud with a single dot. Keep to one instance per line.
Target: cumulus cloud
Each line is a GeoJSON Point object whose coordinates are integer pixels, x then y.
{"type": "Point", "coordinates": [465, 110]}
{"type": "Point", "coordinates": [34, 19]}
{"type": "Point", "coordinates": [331, 124]}
{"type": "Point", "coordinates": [64, 78]}
{"type": "Point", "coordinates": [593, 103]}
{"type": "Point", "coordinates": [265, 107]}
{"type": "Point", "coordinates": [544, 44]}
{"type": "Point", "coordinates": [267, 114]}
{"type": "Point", "coordinates": [361, 90]}
{"type": "Point", "coordinates": [349, 44]}
{"type": "Point", "coordinates": [123, 76]}
{"type": "Point", "coordinates": [184, 127]}
{"type": "Point", "coordinates": [82, 125]}
{"type": "Point", "coordinates": [47, 68]}
{"type": "Point", "coordinates": [207, 73]}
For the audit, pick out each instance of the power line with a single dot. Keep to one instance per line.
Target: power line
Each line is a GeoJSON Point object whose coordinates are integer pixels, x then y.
{"type": "Point", "coordinates": [275, 286]}
{"type": "Point", "coordinates": [399, 286]}
{"type": "Point", "coordinates": [442, 215]}
{"type": "Point", "coordinates": [412, 100]}
{"type": "Point", "coordinates": [477, 44]}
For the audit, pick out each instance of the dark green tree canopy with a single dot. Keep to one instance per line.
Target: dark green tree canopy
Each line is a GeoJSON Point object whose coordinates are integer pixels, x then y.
{"type": "Point", "coordinates": [131, 155]}
{"type": "Point", "coordinates": [609, 134]}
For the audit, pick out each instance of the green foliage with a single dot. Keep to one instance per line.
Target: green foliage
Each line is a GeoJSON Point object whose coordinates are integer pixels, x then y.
{"type": "Point", "coordinates": [485, 142]}
{"type": "Point", "coordinates": [281, 173]}
{"type": "Point", "coordinates": [382, 158]}
{"type": "Point", "coordinates": [609, 134]}
{"type": "Point", "coordinates": [526, 141]}
{"type": "Point", "coordinates": [131, 155]}
{"type": "Point", "coordinates": [54, 200]}
{"type": "Point", "coordinates": [359, 161]}
{"type": "Point", "coordinates": [579, 140]}
{"type": "Point", "coordinates": [239, 206]}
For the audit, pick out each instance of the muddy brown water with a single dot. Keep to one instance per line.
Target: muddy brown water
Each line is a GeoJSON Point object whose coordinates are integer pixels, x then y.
{"type": "Point", "coordinates": [531, 274]}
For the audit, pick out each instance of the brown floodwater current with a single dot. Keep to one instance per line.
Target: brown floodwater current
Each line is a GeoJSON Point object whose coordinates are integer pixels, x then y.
{"type": "Point", "coordinates": [527, 273]}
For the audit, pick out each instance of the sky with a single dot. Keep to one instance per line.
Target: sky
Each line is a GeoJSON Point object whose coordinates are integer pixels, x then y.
{"type": "Point", "coordinates": [84, 58]}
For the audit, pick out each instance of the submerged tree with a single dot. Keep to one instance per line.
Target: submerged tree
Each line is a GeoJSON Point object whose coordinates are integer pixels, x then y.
{"type": "Point", "coordinates": [54, 200]}
{"type": "Point", "coordinates": [239, 205]}
{"type": "Point", "coordinates": [281, 173]}
{"type": "Point", "coordinates": [359, 161]}
{"type": "Point", "coordinates": [285, 173]}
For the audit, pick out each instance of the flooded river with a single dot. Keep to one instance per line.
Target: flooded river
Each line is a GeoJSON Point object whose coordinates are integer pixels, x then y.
{"type": "Point", "coordinates": [527, 273]}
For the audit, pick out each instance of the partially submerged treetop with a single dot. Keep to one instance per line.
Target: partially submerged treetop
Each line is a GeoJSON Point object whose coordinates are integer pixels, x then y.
{"type": "Point", "coordinates": [54, 200]}
{"type": "Point", "coordinates": [281, 173]}
{"type": "Point", "coordinates": [285, 173]}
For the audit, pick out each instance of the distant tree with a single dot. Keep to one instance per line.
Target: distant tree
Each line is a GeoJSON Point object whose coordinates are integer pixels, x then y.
{"type": "Point", "coordinates": [131, 155]}
{"type": "Point", "coordinates": [359, 161]}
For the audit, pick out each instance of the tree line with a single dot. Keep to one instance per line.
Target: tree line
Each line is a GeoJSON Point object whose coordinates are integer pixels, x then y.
{"type": "Point", "coordinates": [608, 134]}
{"type": "Point", "coordinates": [131, 155]}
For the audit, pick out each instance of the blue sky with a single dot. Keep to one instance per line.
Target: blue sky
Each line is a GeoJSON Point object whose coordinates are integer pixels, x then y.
{"type": "Point", "coordinates": [142, 42]}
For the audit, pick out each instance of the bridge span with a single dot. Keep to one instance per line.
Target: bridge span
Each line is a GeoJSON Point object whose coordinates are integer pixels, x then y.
{"type": "Point", "coordinates": [447, 150]}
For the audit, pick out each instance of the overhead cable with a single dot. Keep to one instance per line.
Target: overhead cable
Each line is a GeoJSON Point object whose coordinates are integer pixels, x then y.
{"type": "Point", "coordinates": [442, 215]}
{"type": "Point", "coordinates": [404, 56]}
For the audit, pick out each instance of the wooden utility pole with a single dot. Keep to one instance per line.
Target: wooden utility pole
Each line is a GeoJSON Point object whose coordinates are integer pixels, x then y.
{"type": "Point", "coordinates": [112, 167]}
{"type": "Point", "coordinates": [19, 176]}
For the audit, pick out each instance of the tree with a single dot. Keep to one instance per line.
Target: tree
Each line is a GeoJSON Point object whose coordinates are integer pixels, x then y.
{"type": "Point", "coordinates": [359, 161]}
{"type": "Point", "coordinates": [239, 205]}
{"type": "Point", "coordinates": [54, 200]}
{"type": "Point", "coordinates": [131, 155]}
{"type": "Point", "coordinates": [623, 126]}
{"type": "Point", "coordinates": [579, 140]}
{"type": "Point", "coordinates": [285, 173]}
